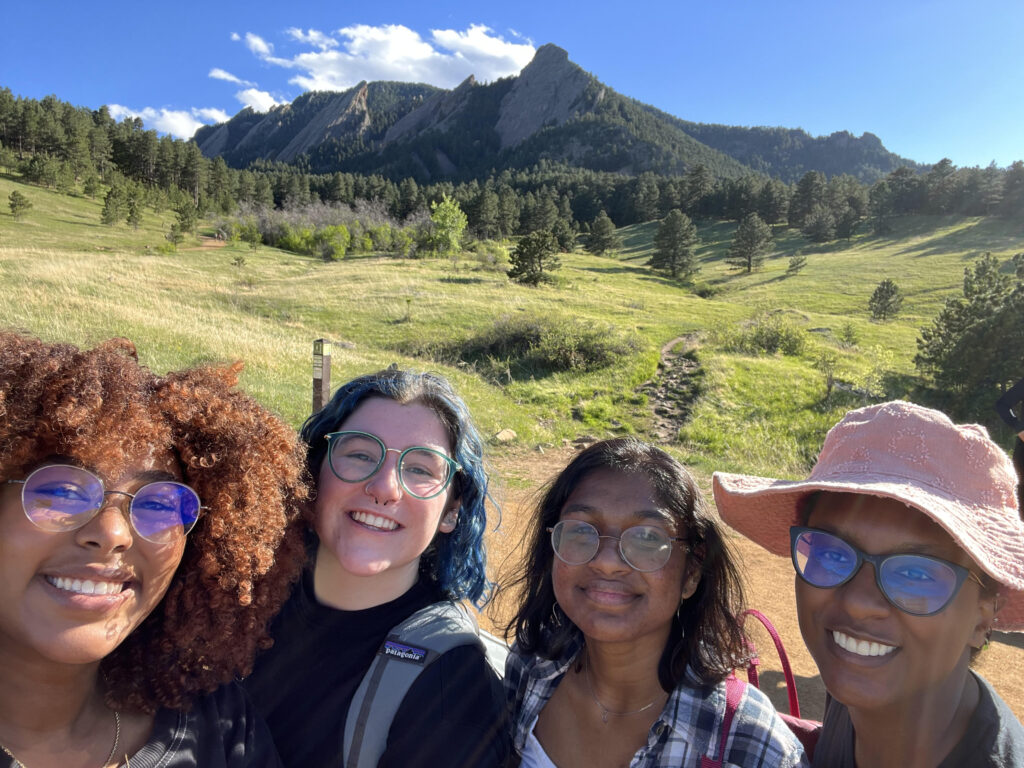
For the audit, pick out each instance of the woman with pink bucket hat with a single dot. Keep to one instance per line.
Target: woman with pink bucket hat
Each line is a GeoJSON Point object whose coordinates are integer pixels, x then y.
{"type": "Point", "coordinates": [931, 508]}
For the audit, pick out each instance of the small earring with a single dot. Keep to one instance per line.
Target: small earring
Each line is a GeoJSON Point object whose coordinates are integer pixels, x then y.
{"type": "Point", "coordinates": [556, 620]}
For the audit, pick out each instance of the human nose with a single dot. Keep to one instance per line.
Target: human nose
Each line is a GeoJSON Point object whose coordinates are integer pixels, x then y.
{"type": "Point", "coordinates": [608, 557]}
{"type": "Point", "coordinates": [110, 530]}
{"type": "Point", "coordinates": [861, 595]}
{"type": "Point", "coordinates": [385, 485]}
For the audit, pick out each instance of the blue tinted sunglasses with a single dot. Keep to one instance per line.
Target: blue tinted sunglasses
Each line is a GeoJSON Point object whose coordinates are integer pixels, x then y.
{"type": "Point", "coordinates": [61, 497]}
{"type": "Point", "coordinates": [920, 585]}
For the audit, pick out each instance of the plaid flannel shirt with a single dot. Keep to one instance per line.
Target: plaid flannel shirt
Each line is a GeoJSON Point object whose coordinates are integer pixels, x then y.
{"type": "Point", "coordinates": [688, 728]}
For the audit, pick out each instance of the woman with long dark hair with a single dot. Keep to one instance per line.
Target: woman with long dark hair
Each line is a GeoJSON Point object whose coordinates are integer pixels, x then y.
{"type": "Point", "coordinates": [628, 625]}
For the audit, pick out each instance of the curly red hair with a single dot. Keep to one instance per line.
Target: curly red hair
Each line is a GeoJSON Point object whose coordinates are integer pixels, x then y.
{"type": "Point", "coordinates": [98, 406]}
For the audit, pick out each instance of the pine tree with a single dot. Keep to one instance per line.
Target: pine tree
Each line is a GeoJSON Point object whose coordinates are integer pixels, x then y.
{"type": "Point", "coordinates": [134, 212]}
{"type": "Point", "coordinates": [534, 258]}
{"type": "Point", "coordinates": [19, 204]}
{"type": "Point", "coordinates": [810, 191]}
{"type": "Point", "coordinates": [749, 243]}
{"type": "Point", "coordinates": [603, 238]}
{"type": "Point", "coordinates": [673, 245]}
{"type": "Point", "coordinates": [819, 225]}
{"type": "Point", "coordinates": [113, 206]}
{"type": "Point", "coordinates": [886, 301]}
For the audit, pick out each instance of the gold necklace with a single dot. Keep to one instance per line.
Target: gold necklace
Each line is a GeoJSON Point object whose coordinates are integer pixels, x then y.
{"type": "Point", "coordinates": [604, 710]}
{"type": "Point", "coordinates": [113, 749]}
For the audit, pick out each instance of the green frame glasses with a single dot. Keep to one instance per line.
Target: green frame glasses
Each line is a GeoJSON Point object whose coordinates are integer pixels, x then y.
{"type": "Point", "coordinates": [355, 457]}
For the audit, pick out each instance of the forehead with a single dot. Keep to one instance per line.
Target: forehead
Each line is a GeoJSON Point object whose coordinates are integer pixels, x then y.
{"type": "Point", "coordinates": [152, 460]}
{"type": "Point", "coordinates": [877, 525]}
{"type": "Point", "coordinates": [399, 425]}
{"type": "Point", "coordinates": [617, 497]}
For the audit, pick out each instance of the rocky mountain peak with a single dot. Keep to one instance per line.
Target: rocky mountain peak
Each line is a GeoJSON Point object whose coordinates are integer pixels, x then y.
{"type": "Point", "coordinates": [547, 93]}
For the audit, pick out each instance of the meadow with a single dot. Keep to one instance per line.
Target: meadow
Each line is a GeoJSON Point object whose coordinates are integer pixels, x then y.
{"type": "Point", "coordinates": [65, 276]}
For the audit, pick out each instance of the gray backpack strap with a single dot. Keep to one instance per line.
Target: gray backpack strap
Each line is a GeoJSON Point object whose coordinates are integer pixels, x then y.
{"type": "Point", "coordinates": [410, 648]}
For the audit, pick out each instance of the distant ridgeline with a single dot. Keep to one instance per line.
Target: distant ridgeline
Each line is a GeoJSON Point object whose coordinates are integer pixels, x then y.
{"type": "Point", "coordinates": [552, 111]}
{"type": "Point", "coordinates": [547, 150]}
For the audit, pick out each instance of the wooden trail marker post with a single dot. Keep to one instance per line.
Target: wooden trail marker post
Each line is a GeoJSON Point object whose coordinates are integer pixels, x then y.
{"type": "Point", "coordinates": [321, 373]}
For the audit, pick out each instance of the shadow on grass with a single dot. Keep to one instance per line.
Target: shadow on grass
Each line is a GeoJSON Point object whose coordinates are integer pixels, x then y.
{"type": "Point", "coordinates": [976, 236]}
{"type": "Point", "coordinates": [459, 280]}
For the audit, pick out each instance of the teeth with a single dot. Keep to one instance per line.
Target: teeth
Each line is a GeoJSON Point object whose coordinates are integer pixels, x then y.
{"type": "Point", "coordinates": [374, 521]}
{"type": "Point", "coordinates": [86, 586]}
{"type": "Point", "coordinates": [861, 647]}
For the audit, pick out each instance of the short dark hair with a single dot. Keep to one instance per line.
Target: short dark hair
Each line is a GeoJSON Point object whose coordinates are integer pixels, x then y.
{"type": "Point", "coordinates": [456, 561]}
{"type": "Point", "coordinates": [707, 635]}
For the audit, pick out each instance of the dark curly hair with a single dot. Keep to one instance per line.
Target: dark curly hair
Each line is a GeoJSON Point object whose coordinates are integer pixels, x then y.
{"type": "Point", "coordinates": [98, 407]}
{"type": "Point", "coordinates": [706, 635]}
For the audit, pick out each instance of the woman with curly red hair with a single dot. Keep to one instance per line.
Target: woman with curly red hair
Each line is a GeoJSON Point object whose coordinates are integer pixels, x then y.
{"type": "Point", "coordinates": [144, 546]}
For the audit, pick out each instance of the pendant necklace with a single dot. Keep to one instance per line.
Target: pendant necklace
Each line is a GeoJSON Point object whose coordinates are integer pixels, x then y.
{"type": "Point", "coordinates": [605, 712]}
{"type": "Point", "coordinates": [113, 749]}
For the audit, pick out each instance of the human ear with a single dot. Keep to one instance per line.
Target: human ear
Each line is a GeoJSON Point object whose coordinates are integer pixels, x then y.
{"type": "Point", "coordinates": [450, 518]}
{"type": "Point", "coordinates": [988, 607]}
{"type": "Point", "coordinates": [694, 570]}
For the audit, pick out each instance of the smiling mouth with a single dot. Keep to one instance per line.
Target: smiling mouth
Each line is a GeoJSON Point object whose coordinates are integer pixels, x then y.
{"type": "Point", "coordinates": [86, 586]}
{"type": "Point", "coordinates": [861, 647]}
{"type": "Point", "coordinates": [374, 521]}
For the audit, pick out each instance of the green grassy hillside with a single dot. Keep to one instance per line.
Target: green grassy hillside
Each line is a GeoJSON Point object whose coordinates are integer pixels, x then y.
{"type": "Point", "coordinates": [67, 277]}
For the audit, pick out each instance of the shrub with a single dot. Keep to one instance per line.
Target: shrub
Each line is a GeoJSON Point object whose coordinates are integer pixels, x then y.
{"type": "Point", "coordinates": [767, 332]}
{"type": "Point", "coordinates": [534, 345]}
{"type": "Point", "coordinates": [491, 255]}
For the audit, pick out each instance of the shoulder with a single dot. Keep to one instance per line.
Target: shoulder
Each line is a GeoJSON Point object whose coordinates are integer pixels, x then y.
{"type": "Point", "coordinates": [757, 734]}
{"type": "Point", "coordinates": [994, 731]}
{"type": "Point", "coordinates": [220, 729]}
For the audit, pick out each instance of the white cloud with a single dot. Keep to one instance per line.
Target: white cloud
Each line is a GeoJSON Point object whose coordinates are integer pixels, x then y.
{"type": "Point", "coordinates": [394, 52]}
{"type": "Point", "coordinates": [313, 37]}
{"type": "Point", "coordinates": [219, 74]}
{"type": "Point", "coordinates": [259, 100]}
{"type": "Point", "coordinates": [235, 36]}
{"type": "Point", "coordinates": [177, 122]}
{"type": "Point", "coordinates": [258, 45]}
{"type": "Point", "coordinates": [211, 115]}
{"type": "Point", "coordinates": [488, 56]}
{"type": "Point", "coordinates": [180, 123]}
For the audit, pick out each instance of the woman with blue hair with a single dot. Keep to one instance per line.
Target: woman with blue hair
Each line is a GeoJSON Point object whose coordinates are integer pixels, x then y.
{"type": "Point", "coordinates": [395, 537]}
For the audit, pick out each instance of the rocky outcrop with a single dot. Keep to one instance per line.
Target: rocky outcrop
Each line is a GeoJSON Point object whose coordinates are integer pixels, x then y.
{"type": "Point", "coordinates": [435, 113]}
{"type": "Point", "coordinates": [549, 91]}
{"type": "Point", "coordinates": [345, 114]}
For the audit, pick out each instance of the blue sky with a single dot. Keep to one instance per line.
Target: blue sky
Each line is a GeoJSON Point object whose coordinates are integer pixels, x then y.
{"type": "Point", "coordinates": [931, 78]}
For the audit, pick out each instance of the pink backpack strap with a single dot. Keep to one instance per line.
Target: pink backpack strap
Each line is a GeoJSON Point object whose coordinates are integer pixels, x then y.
{"type": "Point", "coordinates": [787, 671]}
{"type": "Point", "coordinates": [733, 693]}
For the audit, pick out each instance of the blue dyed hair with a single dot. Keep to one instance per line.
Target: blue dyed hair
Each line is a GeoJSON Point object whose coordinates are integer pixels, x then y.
{"type": "Point", "coordinates": [455, 561]}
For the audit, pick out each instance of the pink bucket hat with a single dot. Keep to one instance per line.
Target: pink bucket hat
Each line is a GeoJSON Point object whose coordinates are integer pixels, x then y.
{"type": "Point", "coordinates": [953, 473]}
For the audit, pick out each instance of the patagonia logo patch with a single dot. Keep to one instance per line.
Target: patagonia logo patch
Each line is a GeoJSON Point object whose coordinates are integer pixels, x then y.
{"type": "Point", "coordinates": [404, 652]}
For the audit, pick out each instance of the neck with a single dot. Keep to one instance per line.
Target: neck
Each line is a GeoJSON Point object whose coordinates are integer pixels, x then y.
{"type": "Point", "coordinates": [624, 676]}
{"type": "Point", "coordinates": [918, 733]}
{"type": "Point", "coordinates": [42, 702]}
{"type": "Point", "coordinates": [337, 588]}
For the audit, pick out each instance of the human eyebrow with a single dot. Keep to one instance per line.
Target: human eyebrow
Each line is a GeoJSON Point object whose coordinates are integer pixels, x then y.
{"type": "Point", "coordinates": [153, 476]}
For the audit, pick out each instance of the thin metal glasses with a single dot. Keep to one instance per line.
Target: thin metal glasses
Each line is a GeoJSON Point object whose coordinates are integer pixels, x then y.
{"type": "Point", "coordinates": [920, 585]}
{"type": "Point", "coordinates": [644, 548]}
{"type": "Point", "coordinates": [62, 497]}
{"type": "Point", "coordinates": [357, 456]}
